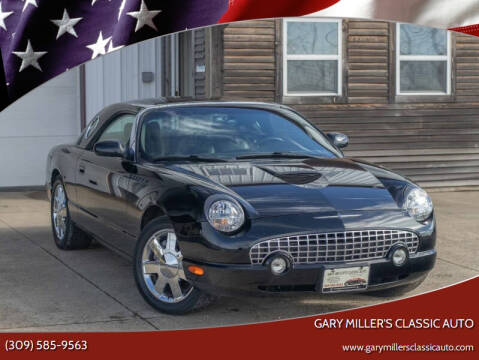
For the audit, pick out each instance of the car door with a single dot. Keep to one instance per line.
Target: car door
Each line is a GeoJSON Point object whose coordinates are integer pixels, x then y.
{"type": "Point", "coordinates": [102, 185]}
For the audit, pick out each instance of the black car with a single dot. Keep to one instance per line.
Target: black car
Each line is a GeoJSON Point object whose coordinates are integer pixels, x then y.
{"type": "Point", "coordinates": [236, 197]}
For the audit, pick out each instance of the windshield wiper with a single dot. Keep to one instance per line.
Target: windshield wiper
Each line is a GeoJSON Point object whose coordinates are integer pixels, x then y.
{"type": "Point", "coordinates": [277, 155]}
{"type": "Point", "coordinates": [194, 158]}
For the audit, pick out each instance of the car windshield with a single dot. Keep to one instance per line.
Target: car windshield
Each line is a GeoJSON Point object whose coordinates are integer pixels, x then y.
{"type": "Point", "coordinates": [209, 132]}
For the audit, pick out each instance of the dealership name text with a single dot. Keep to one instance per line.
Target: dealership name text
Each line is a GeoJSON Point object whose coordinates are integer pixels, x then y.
{"type": "Point", "coordinates": [387, 323]}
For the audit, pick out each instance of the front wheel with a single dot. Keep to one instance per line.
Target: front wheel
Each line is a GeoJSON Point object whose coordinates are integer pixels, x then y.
{"type": "Point", "coordinates": [66, 235]}
{"type": "Point", "coordinates": [159, 273]}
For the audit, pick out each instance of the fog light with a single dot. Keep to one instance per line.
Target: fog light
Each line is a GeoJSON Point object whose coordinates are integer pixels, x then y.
{"type": "Point", "coordinates": [399, 256]}
{"type": "Point", "coordinates": [278, 265]}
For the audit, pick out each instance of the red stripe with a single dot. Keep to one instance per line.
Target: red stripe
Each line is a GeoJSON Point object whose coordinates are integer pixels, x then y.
{"type": "Point", "coordinates": [250, 9]}
{"type": "Point", "coordinates": [253, 9]}
{"type": "Point", "coordinates": [470, 29]}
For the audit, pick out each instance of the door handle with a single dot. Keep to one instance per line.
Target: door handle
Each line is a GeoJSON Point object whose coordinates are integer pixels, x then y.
{"type": "Point", "coordinates": [93, 182]}
{"type": "Point", "coordinates": [81, 169]}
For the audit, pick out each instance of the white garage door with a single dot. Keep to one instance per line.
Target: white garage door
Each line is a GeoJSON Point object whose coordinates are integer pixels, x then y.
{"type": "Point", "coordinates": [30, 127]}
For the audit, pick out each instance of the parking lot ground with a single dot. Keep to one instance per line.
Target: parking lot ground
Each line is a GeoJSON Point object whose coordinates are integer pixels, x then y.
{"type": "Point", "coordinates": [45, 289]}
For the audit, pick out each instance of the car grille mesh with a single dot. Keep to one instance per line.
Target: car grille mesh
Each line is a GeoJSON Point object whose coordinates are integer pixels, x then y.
{"type": "Point", "coordinates": [335, 246]}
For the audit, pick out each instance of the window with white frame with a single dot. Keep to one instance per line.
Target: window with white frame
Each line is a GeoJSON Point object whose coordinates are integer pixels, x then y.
{"type": "Point", "coordinates": [312, 57]}
{"type": "Point", "coordinates": [423, 60]}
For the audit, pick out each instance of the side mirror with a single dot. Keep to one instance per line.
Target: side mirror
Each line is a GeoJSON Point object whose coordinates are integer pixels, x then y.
{"type": "Point", "coordinates": [338, 139]}
{"type": "Point", "coordinates": [109, 148]}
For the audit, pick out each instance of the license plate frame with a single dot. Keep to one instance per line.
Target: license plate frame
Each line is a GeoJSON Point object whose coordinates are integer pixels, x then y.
{"type": "Point", "coordinates": [344, 279]}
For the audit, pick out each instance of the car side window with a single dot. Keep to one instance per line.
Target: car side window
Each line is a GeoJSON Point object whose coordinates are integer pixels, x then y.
{"type": "Point", "coordinates": [119, 129]}
{"type": "Point", "coordinates": [91, 127]}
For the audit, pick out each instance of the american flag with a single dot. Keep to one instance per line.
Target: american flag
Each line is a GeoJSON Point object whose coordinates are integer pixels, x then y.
{"type": "Point", "coordinates": [40, 39]}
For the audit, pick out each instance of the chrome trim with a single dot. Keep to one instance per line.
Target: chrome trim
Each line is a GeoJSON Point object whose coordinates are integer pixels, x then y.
{"type": "Point", "coordinates": [356, 245]}
{"type": "Point", "coordinates": [424, 253]}
{"type": "Point", "coordinates": [60, 212]}
{"type": "Point", "coordinates": [162, 264]}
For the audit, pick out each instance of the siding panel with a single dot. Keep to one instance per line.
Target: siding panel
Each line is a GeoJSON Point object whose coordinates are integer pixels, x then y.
{"type": "Point", "coordinates": [199, 50]}
{"type": "Point", "coordinates": [249, 61]}
{"type": "Point", "coordinates": [116, 77]}
{"type": "Point", "coordinates": [368, 77]}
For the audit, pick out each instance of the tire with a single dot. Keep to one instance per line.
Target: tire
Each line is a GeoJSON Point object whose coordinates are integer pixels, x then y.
{"type": "Point", "coordinates": [157, 280]}
{"type": "Point", "coordinates": [397, 291]}
{"type": "Point", "coordinates": [67, 236]}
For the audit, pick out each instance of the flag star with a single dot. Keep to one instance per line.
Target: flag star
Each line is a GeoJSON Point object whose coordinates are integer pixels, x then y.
{"type": "Point", "coordinates": [66, 24]}
{"type": "Point", "coordinates": [94, 1]}
{"type": "Point", "coordinates": [113, 48]}
{"type": "Point", "coordinates": [29, 57]}
{"type": "Point", "coordinates": [29, 2]}
{"type": "Point", "coordinates": [144, 17]}
{"type": "Point", "coordinates": [99, 47]}
{"type": "Point", "coordinates": [3, 16]}
{"type": "Point", "coordinates": [122, 7]}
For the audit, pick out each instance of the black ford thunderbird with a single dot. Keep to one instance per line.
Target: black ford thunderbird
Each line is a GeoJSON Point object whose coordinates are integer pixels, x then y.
{"type": "Point", "coordinates": [236, 197]}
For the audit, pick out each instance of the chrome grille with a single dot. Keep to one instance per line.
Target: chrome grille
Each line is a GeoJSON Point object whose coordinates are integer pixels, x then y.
{"type": "Point", "coordinates": [336, 246]}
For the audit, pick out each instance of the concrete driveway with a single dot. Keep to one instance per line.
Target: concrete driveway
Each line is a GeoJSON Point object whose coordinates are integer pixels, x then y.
{"type": "Point", "coordinates": [46, 289]}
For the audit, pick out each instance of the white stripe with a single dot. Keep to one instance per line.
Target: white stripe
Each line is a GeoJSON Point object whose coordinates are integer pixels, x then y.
{"type": "Point", "coordinates": [437, 13]}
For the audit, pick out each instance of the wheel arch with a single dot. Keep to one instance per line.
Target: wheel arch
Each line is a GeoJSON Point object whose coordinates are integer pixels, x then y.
{"type": "Point", "coordinates": [55, 174]}
{"type": "Point", "coordinates": [151, 213]}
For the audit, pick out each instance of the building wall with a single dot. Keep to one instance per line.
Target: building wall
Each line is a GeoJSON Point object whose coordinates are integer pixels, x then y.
{"type": "Point", "coordinates": [433, 140]}
{"type": "Point", "coordinates": [117, 76]}
{"type": "Point", "coordinates": [249, 70]}
{"type": "Point", "coordinates": [176, 63]}
{"type": "Point", "coordinates": [31, 126]}
{"type": "Point", "coordinates": [199, 55]}
{"type": "Point", "coordinates": [367, 62]}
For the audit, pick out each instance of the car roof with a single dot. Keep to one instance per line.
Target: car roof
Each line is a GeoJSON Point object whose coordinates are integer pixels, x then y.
{"type": "Point", "coordinates": [137, 106]}
{"type": "Point", "coordinates": [179, 101]}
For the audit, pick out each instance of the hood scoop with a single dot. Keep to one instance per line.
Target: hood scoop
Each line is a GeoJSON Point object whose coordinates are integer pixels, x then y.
{"type": "Point", "coordinates": [308, 174]}
{"type": "Point", "coordinates": [296, 176]}
{"type": "Point", "coordinates": [243, 174]}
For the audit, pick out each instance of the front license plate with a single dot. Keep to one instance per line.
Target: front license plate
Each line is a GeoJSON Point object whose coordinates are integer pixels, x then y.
{"type": "Point", "coordinates": [345, 279]}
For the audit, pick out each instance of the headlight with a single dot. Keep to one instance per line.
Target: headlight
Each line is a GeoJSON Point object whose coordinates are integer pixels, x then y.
{"type": "Point", "coordinates": [225, 215]}
{"type": "Point", "coordinates": [418, 204]}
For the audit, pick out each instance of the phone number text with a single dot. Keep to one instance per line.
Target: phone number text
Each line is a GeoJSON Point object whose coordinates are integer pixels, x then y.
{"type": "Point", "coordinates": [46, 345]}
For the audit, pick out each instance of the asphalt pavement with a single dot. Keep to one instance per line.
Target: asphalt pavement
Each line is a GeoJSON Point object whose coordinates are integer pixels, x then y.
{"type": "Point", "coordinates": [45, 289]}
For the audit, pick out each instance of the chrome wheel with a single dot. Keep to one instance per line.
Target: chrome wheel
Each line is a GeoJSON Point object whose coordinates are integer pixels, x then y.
{"type": "Point", "coordinates": [163, 268]}
{"type": "Point", "coordinates": [59, 212]}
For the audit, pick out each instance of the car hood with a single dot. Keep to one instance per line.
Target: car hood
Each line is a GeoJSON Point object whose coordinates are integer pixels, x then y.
{"type": "Point", "coordinates": [280, 187]}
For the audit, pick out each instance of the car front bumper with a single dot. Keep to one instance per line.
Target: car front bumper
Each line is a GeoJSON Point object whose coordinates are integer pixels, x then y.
{"type": "Point", "coordinates": [228, 269]}
{"type": "Point", "coordinates": [225, 279]}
